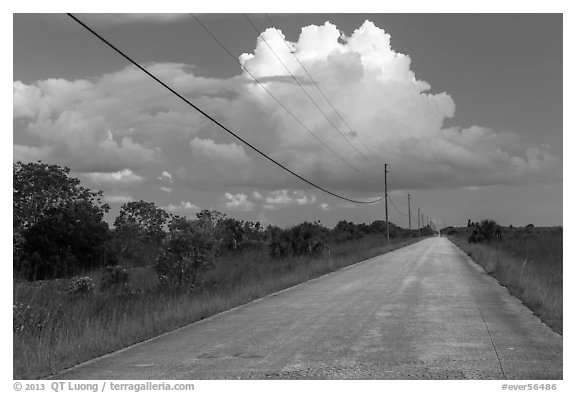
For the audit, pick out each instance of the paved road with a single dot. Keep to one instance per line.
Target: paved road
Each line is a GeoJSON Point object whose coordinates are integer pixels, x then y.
{"type": "Point", "coordinates": [421, 312]}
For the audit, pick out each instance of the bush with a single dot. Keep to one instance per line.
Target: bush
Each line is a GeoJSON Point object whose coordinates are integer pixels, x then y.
{"type": "Point", "coordinates": [80, 286]}
{"type": "Point", "coordinates": [487, 230]}
{"type": "Point", "coordinates": [115, 278]}
{"type": "Point", "coordinates": [190, 247]}
{"type": "Point", "coordinates": [303, 239]}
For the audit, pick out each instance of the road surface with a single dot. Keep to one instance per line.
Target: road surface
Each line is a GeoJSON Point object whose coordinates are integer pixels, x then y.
{"type": "Point", "coordinates": [425, 311]}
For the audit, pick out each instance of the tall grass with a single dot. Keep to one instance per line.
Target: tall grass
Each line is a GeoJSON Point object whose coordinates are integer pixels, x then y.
{"type": "Point", "coordinates": [528, 262]}
{"type": "Point", "coordinates": [61, 331]}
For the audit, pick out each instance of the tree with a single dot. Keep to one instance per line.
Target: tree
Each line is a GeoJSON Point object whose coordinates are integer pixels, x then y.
{"type": "Point", "coordinates": [139, 230]}
{"type": "Point", "coordinates": [190, 247]}
{"type": "Point", "coordinates": [57, 223]}
{"type": "Point", "coordinates": [64, 241]}
{"type": "Point", "coordinates": [38, 187]}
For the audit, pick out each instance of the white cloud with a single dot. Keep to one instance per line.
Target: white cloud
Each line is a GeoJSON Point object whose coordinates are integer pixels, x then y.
{"type": "Point", "coordinates": [230, 152]}
{"type": "Point", "coordinates": [324, 206]}
{"type": "Point", "coordinates": [238, 202]}
{"type": "Point", "coordinates": [166, 189]}
{"type": "Point", "coordinates": [257, 195]}
{"type": "Point", "coordinates": [166, 176]}
{"type": "Point", "coordinates": [283, 198]}
{"type": "Point", "coordinates": [122, 120]}
{"type": "Point", "coordinates": [184, 206]}
{"type": "Point", "coordinates": [125, 176]}
{"type": "Point", "coordinates": [121, 199]}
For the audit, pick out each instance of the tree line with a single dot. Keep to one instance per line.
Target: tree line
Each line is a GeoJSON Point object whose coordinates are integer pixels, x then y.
{"type": "Point", "coordinates": [59, 232]}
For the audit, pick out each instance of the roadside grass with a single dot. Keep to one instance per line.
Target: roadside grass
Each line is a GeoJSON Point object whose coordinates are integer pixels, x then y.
{"type": "Point", "coordinates": [527, 261]}
{"type": "Point", "coordinates": [58, 331]}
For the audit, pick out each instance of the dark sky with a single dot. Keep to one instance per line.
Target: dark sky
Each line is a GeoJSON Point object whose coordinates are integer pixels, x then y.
{"type": "Point", "coordinates": [503, 72]}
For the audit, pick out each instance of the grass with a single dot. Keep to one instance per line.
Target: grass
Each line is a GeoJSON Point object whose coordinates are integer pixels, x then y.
{"type": "Point", "coordinates": [60, 331]}
{"type": "Point", "coordinates": [527, 261]}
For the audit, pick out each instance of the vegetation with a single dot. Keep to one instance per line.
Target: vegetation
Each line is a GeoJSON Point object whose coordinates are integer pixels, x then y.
{"type": "Point", "coordinates": [528, 261]}
{"type": "Point", "coordinates": [82, 290]}
{"type": "Point", "coordinates": [58, 226]}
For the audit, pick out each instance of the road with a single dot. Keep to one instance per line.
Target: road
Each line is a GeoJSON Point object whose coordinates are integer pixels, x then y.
{"type": "Point", "coordinates": [425, 311]}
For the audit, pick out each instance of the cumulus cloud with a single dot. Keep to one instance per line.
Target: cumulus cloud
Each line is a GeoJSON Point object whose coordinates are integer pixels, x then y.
{"type": "Point", "coordinates": [125, 176]}
{"type": "Point", "coordinates": [123, 120]}
{"type": "Point", "coordinates": [283, 198]}
{"type": "Point", "coordinates": [226, 151]}
{"type": "Point", "coordinates": [238, 202]}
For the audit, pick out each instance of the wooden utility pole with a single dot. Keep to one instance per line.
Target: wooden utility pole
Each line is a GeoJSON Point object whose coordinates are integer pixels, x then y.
{"type": "Point", "coordinates": [386, 202]}
{"type": "Point", "coordinates": [409, 215]}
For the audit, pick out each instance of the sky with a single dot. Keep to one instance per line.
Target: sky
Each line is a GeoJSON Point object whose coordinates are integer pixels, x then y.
{"type": "Point", "coordinates": [466, 109]}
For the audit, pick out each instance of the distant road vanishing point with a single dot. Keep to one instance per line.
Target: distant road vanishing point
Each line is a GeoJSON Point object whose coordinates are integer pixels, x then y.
{"type": "Point", "coordinates": [425, 311]}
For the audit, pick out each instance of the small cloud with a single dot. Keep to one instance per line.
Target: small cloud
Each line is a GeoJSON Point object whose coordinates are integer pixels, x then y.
{"type": "Point", "coordinates": [118, 199]}
{"type": "Point", "coordinates": [229, 152]}
{"type": "Point", "coordinates": [238, 202]}
{"type": "Point", "coordinates": [125, 176]}
{"type": "Point", "coordinates": [166, 176]}
{"type": "Point", "coordinates": [166, 189]}
{"type": "Point", "coordinates": [257, 195]}
{"type": "Point", "coordinates": [303, 199]}
{"type": "Point", "coordinates": [324, 206]}
{"type": "Point", "coordinates": [182, 207]}
{"type": "Point", "coordinates": [283, 198]}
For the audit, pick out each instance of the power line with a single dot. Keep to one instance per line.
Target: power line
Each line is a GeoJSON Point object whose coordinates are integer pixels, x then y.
{"type": "Point", "coordinates": [223, 46]}
{"type": "Point", "coordinates": [321, 91]}
{"type": "Point", "coordinates": [302, 88]}
{"type": "Point", "coordinates": [120, 52]}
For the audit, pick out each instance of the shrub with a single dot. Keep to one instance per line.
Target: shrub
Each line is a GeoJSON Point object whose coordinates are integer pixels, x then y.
{"type": "Point", "coordinates": [115, 278]}
{"type": "Point", "coordinates": [487, 230]}
{"type": "Point", "coordinates": [190, 247]}
{"type": "Point", "coordinates": [303, 239]}
{"type": "Point", "coordinates": [80, 286]}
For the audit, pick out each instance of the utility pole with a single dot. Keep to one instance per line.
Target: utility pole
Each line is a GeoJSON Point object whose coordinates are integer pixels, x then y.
{"type": "Point", "coordinates": [409, 215]}
{"type": "Point", "coordinates": [386, 202]}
